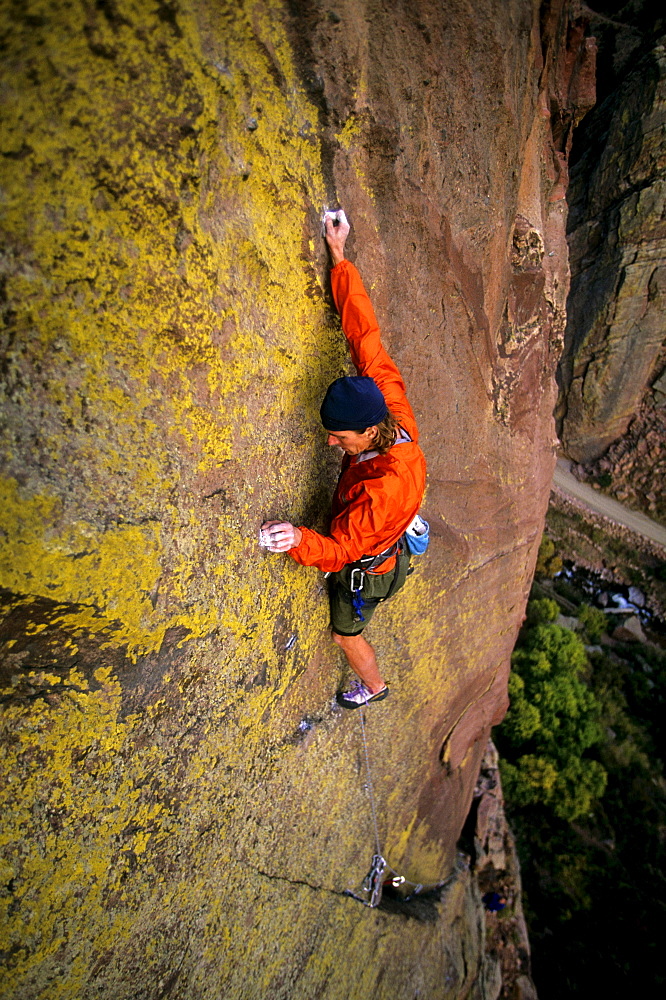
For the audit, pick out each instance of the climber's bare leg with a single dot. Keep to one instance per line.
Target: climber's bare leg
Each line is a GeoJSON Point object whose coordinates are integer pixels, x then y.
{"type": "Point", "coordinates": [361, 658]}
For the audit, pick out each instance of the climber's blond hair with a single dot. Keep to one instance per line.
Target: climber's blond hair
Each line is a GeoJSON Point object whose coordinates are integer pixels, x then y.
{"type": "Point", "coordinates": [386, 435]}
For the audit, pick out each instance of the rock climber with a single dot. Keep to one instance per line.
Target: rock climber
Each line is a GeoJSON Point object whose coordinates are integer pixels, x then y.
{"type": "Point", "coordinates": [381, 482]}
{"type": "Point", "coordinates": [494, 901]}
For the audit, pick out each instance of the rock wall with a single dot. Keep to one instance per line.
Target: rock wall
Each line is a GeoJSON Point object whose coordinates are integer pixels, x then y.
{"type": "Point", "coordinates": [496, 869]}
{"type": "Point", "coordinates": [633, 469]}
{"type": "Point", "coordinates": [183, 811]}
{"type": "Point", "coordinates": [617, 305]}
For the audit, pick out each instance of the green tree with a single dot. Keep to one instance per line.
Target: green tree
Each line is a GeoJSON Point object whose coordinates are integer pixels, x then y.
{"type": "Point", "coordinates": [593, 621]}
{"type": "Point", "coordinates": [530, 781]}
{"type": "Point", "coordinates": [541, 611]}
{"type": "Point", "coordinates": [572, 869]}
{"type": "Point", "coordinates": [553, 720]}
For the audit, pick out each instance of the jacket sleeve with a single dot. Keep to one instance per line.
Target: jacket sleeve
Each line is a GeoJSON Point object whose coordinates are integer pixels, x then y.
{"type": "Point", "coordinates": [356, 531]}
{"type": "Point", "coordinates": [363, 336]}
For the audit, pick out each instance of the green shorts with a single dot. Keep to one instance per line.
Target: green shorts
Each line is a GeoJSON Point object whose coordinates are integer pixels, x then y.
{"type": "Point", "coordinates": [377, 587]}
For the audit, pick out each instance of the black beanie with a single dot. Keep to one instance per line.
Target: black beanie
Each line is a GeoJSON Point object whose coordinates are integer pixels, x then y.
{"type": "Point", "coordinates": [352, 403]}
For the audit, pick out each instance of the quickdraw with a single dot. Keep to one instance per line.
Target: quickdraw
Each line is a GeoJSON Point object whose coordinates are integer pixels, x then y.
{"type": "Point", "coordinates": [373, 882]}
{"type": "Point", "coordinates": [381, 873]}
{"type": "Point", "coordinates": [356, 586]}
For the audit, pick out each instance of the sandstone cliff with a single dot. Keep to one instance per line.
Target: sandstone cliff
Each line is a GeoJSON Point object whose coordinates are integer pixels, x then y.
{"type": "Point", "coordinates": [496, 869]}
{"type": "Point", "coordinates": [614, 347]}
{"type": "Point", "coordinates": [183, 810]}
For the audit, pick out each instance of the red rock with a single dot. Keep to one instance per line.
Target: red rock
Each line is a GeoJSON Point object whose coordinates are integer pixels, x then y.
{"type": "Point", "coordinates": [167, 166]}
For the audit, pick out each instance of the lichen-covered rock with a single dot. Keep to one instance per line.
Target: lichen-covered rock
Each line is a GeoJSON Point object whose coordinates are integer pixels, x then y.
{"type": "Point", "coordinates": [183, 811]}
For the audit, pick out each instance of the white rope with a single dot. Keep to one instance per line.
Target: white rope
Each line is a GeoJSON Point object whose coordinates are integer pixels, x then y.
{"type": "Point", "coordinates": [371, 791]}
{"type": "Point", "coordinates": [374, 881]}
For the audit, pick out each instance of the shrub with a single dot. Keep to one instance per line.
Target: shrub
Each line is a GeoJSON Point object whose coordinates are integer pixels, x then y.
{"type": "Point", "coordinates": [541, 611]}
{"type": "Point", "coordinates": [593, 621]}
{"type": "Point", "coordinates": [548, 562]}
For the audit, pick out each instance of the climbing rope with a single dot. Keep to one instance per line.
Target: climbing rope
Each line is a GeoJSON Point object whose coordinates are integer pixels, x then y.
{"type": "Point", "coordinates": [374, 881]}
{"type": "Point", "coordinates": [371, 791]}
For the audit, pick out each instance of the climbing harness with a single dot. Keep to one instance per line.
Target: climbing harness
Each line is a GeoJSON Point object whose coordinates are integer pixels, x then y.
{"type": "Point", "coordinates": [414, 541]}
{"type": "Point", "coordinates": [374, 882]}
{"type": "Point", "coordinates": [368, 564]}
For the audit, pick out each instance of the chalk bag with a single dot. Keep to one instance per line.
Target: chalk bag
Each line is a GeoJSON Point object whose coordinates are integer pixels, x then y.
{"type": "Point", "coordinates": [417, 536]}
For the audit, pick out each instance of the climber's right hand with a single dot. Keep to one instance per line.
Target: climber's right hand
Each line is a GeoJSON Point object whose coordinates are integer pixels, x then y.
{"type": "Point", "coordinates": [336, 236]}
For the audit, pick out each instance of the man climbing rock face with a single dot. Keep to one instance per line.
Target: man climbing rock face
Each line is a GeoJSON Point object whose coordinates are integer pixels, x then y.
{"type": "Point", "coordinates": [380, 487]}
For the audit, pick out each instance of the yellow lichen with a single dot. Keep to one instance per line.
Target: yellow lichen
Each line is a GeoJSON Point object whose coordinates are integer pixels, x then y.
{"type": "Point", "coordinates": [174, 345]}
{"type": "Point", "coordinates": [162, 282]}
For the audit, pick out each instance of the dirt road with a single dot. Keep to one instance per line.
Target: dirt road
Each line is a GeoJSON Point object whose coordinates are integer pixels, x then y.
{"type": "Point", "coordinates": [599, 503]}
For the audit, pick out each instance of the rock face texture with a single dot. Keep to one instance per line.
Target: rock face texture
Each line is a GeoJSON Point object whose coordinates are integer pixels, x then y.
{"type": "Point", "coordinates": [183, 811]}
{"type": "Point", "coordinates": [497, 870]}
{"type": "Point", "coordinates": [633, 469]}
{"type": "Point", "coordinates": [614, 354]}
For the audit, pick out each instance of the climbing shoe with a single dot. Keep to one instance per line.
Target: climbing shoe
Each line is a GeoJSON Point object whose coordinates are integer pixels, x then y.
{"type": "Point", "coordinates": [360, 695]}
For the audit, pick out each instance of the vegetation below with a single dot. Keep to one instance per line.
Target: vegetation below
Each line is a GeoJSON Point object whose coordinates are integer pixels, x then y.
{"type": "Point", "coordinates": [583, 749]}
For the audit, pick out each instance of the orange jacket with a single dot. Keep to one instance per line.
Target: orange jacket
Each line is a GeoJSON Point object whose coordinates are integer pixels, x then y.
{"type": "Point", "coordinates": [376, 497]}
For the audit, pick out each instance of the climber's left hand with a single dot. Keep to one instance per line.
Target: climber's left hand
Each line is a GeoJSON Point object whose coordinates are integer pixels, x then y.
{"type": "Point", "coordinates": [282, 535]}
